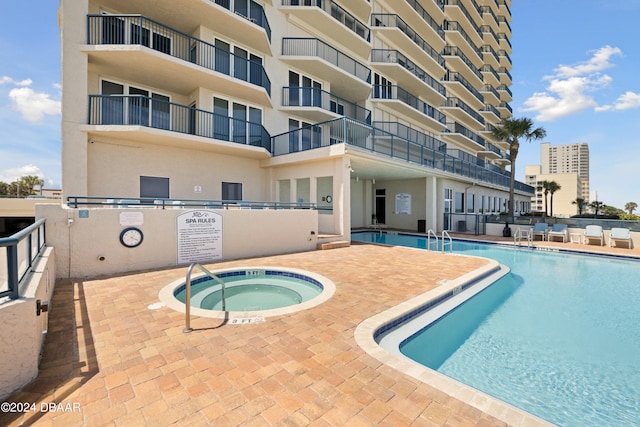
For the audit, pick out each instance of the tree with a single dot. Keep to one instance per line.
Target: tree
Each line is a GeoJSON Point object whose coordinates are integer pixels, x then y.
{"type": "Point", "coordinates": [29, 182]}
{"type": "Point", "coordinates": [630, 207]}
{"type": "Point", "coordinates": [545, 187]}
{"type": "Point", "coordinates": [596, 206]}
{"type": "Point", "coordinates": [553, 187]}
{"type": "Point", "coordinates": [512, 130]}
{"type": "Point", "coordinates": [582, 203]}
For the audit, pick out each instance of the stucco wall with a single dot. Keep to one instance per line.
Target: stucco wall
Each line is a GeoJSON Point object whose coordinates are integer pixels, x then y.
{"type": "Point", "coordinates": [83, 236]}
{"type": "Point", "coordinates": [22, 331]}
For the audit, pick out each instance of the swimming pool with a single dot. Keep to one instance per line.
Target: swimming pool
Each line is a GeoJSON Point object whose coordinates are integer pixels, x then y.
{"type": "Point", "coordinates": [267, 291]}
{"type": "Point", "coordinates": [558, 336]}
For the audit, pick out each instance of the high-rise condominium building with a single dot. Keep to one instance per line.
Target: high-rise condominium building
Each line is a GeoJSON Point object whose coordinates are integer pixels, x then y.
{"type": "Point", "coordinates": [568, 158]}
{"type": "Point", "coordinates": [369, 109]}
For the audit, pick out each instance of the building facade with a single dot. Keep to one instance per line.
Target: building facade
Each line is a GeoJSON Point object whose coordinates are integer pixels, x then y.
{"type": "Point", "coordinates": [563, 199]}
{"type": "Point", "coordinates": [568, 158]}
{"type": "Point", "coordinates": [373, 111]}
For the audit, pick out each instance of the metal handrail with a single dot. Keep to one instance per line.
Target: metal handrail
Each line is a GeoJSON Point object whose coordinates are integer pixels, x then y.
{"type": "Point", "coordinates": [522, 234]}
{"type": "Point", "coordinates": [450, 242]}
{"type": "Point", "coordinates": [187, 298]}
{"type": "Point", "coordinates": [435, 236]}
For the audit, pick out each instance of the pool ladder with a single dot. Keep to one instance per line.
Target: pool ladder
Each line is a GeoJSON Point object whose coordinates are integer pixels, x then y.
{"type": "Point", "coordinates": [446, 240]}
{"type": "Point", "coordinates": [187, 298]}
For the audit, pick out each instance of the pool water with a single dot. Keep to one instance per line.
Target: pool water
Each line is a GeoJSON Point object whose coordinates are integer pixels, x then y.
{"type": "Point", "coordinates": [260, 291]}
{"type": "Point", "coordinates": [558, 336]}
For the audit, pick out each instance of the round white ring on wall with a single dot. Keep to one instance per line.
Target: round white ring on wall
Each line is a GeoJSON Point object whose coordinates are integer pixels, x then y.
{"type": "Point", "coordinates": [131, 237]}
{"type": "Point", "coordinates": [329, 199]}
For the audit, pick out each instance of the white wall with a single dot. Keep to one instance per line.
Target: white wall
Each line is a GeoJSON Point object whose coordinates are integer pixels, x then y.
{"type": "Point", "coordinates": [246, 233]}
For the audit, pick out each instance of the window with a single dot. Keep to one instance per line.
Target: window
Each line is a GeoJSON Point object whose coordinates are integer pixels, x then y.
{"type": "Point", "coordinates": [243, 124]}
{"type": "Point", "coordinates": [382, 87]}
{"type": "Point", "coordinates": [154, 187]}
{"type": "Point", "coordinates": [304, 91]}
{"type": "Point", "coordinates": [459, 202]}
{"type": "Point", "coordinates": [231, 191]}
{"type": "Point", "coordinates": [471, 199]}
{"type": "Point", "coordinates": [141, 107]}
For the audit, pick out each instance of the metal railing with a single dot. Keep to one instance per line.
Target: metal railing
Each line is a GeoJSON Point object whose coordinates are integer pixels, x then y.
{"type": "Point", "coordinates": [297, 96]}
{"type": "Point", "coordinates": [431, 232]}
{"type": "Point", "coordinates": [446, 240]}
{"type": "Point", "coordinates": [454, 102]}
{"type": "Point", "coordinates": [390, 56]}
{"type": "Point", "coordinates": [187, 300]}
{"type": "Point", "coordinates": [138, 110]}
{"type": "Point", "coordinates": [337, 12]}
{"type": "Point", "coordinates": [167, 203]}
{"type": "Point", "coordinates": [380, 141]}
{"type": "Point", "coordinates": [459, 78]}
{"type": "Point", "coordinates": [253, 12]}
{"type": "Point", "coordinates": [392, 20]}
{"type": "Point", "coordinates": [316, 47]}
{"type": "Point", "coordinates": [140, 30]}
{"type": "Point", "coordinates": [397, 93]}
{"type": "Point", "coordinates": [19, 253]}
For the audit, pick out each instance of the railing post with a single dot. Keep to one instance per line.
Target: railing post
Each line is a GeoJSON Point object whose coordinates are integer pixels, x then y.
{"type": "Point", "coordinates": [12, 270]}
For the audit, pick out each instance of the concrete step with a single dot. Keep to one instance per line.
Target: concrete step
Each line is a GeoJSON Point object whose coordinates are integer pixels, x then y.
{"type": "Point", "coordinates": [333, 245]}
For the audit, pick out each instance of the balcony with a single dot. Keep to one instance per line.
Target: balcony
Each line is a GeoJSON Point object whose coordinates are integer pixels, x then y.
{"type": "Point", "coordinates": [412, 135]}
{"type": "Point", "coordinates": [505, 76]}
{"type": "Point", "coordinates": [458, 62]}
{"type": "Point", "coordinates": [409, 105]}
{"type": "Point", "coordinates": [490, 75]}
{"type": "Point", "coordinates": [140, 49]}
{"type": "Point", "coordinates": [363, 139]}
{"type": "Point", "coordinates": [505, 59]}
{"type": "Point", "coordinates": [319, 105]}
{"type": "Point", "coordinates": [456, 36]}
{"type": "Point", "coordinates": [241, 20]}
{"type": "Point", "coordinates": [490, 56]}
{"type": "Point", "coordinates": [490, 94]}
{"type": "Point", "coordinates": [490, 113]}
{"type": "Point", "coordinates": [469, 18]}
{"type": "Point", "coordinates": [426, 23]}
{"type": "Point", "coordinates": [407, 74]}
{"type": "Point", "coordinates": [349, 78]}
{"type": "Point", "coordinates": [490, 152]}
{"type": "Point", "coordinates": [129, 113]}
{"type": "Point", "coordinates": [455, 108]}
{"type": "Point", "coordinates": [460, 136]}
{"type": "Point", "coordinates": [489, 17]}
{"type": "Point", "coordinates": [457, 84]}
{"type": "Point", "coordinates": [505, 110]}
{"type": "Point", "coordinates": [327, 17]}
{"type": "Point", "coordinates": [505, 93]}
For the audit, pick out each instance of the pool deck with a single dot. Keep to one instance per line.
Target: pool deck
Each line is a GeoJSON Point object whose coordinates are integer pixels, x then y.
{"type": "Point", "coordinates": [113, 358]}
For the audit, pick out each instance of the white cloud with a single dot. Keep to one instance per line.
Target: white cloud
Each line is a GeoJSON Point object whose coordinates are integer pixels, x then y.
{"type": "Point", "coordinates": [626, 101]}
{"type": "Point", "coordinates": [14, 174]}
{"type": "Point", "coordinates": [32, 105]}
{"type": "Point", "coordinates": [569, 88]}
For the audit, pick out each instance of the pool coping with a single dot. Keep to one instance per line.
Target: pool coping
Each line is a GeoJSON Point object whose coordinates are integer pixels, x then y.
{"type": "Point", "coordinates": [167, 298]}
{"type": "Point", "coordinates": [365, 337]}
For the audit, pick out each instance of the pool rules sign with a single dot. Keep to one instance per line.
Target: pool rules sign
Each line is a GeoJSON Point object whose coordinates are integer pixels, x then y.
{"type": "Point", "coordinates": [199, 236]}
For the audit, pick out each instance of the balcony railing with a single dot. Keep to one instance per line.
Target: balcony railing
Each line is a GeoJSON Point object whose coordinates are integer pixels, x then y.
{"type": "Point", "coordinates": [318, 48]}
{"type": "Point", "coordinates": [425, 15]}
{"type": "Point", "coordinates": [456, 51]}
{"type": "Point", "coordinates": [139, 30]}
{"type": "Point", "coordinates": [388, 20]}
{"type": "Point", "coordinates": [412, 135]}
{"type": "Point", "coordinates": [396, 57]}
{"type": "Point", "coordinates": [457, 77]}
{"type": "Point", "coordinates": [454, 102]}
{"type": "Point", "coordinates": [337, 12]}
{"type": "Point", "coordinates": [397, 93]}
{"type": "Point", "coordinates": [296, 96]}
{"type": "Point", "coordinates": [75, 202]}
{"type": "Point", "coordinates": [19, 253]}
{"type": "Point", "coordinates": [136, 110]}
{"type": "Point", "coordinates": [371, 138]}
{"type": "Point", "coordinates": [252, 11]}
{"type": "Point", "coordinates": [455, 127]}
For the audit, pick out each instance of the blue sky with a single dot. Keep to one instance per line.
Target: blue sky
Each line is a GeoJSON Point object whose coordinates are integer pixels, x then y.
{"type": "Point", "coordinates": [576, 68]}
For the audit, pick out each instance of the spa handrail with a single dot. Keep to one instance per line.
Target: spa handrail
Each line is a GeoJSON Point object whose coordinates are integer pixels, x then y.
{"type": "Point", "coordinates": [187, 298]}
{"type": "Point", "coordinates": [430, 233]}
{"type": "Point", "coordinates": [445, 233]}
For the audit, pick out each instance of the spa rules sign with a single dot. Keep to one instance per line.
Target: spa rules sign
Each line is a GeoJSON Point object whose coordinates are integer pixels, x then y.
{"type": "Point", "coordinates": [199, 236]}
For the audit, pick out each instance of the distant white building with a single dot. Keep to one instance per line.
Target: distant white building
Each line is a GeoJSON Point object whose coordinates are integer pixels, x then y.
{"type": "Point", "coordinates": [568, 158]}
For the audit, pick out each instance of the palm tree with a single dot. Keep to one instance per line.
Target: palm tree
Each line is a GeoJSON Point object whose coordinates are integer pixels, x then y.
{"type": "Point", "coordinates": [30, 182]}
{"type": "Point", "coordinates": [596, 206]}
{"type": "Point", "coordinates": [582, 203]}
{"type": "Point", "coordinates": [553, 187]}
{"type": "Point", "coordinates": [630, 207]}
{"type": "Point", "coordinates": [545, 187]}
{"type": "Point", "coordinates": [511, 130]}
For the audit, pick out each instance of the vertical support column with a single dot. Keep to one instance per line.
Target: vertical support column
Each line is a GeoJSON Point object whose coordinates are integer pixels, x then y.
{"type": "Point", "coordinates": [431, 203]}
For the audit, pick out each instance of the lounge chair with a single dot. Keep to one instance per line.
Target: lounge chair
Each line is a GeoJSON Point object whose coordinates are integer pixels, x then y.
{"type": "Point", "coordinates": [558, 230]}
{"type": "Point", "coordinates": [593, 232]}
{"type": "Point", "coordinates": [620, 235]}
{"type": "Point", "coordinates": [539, 229]}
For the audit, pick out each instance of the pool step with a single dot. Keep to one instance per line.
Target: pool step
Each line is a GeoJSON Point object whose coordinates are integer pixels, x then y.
{"type": "Point", "coordinates": [333, 245]}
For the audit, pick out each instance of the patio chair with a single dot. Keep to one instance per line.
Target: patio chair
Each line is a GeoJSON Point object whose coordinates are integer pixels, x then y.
{"type": "Point", "coordinates": [558, 230]}
{"type": "Point", "coordinates": [539, 229]}
{"type": "Point", "coordinates": [620, 235]}
{"type": "Point", "coordinates": [593, 232]}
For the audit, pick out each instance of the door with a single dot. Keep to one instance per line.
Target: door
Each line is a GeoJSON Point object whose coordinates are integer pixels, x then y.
{"type": "Point", "coordinates": [381, 202]}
